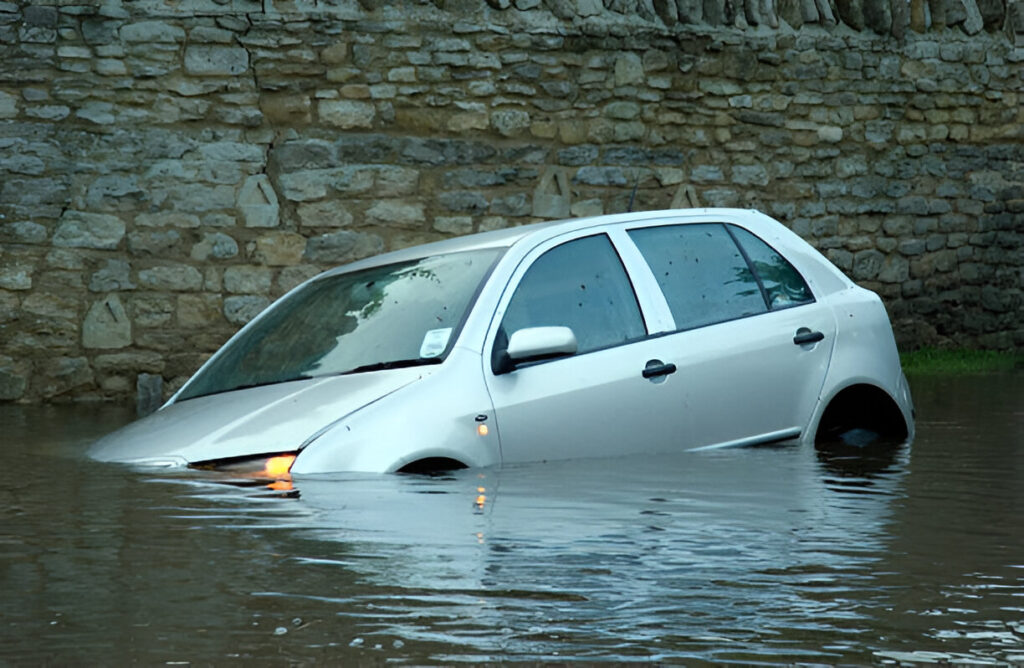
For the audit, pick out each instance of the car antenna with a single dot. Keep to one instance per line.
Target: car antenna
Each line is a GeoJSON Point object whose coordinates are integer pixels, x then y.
{"type": "Point", "coordinates": [632, 195]}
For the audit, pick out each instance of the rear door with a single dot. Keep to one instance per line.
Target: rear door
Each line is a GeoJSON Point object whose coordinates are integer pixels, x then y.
{"type": "Point", "coordinates": [750, 342]}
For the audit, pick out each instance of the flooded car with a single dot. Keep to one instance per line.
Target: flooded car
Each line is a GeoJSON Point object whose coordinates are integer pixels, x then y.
{"type": "Point", "coordinates": [610, 336]}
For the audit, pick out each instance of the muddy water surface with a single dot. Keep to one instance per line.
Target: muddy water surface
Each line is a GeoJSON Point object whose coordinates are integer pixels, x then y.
{"type": "Point", "coordinates": [768, 555]}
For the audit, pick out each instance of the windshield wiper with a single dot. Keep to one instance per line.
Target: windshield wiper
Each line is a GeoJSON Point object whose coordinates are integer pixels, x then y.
{"type": "Point", "coordinates": [393, 364]}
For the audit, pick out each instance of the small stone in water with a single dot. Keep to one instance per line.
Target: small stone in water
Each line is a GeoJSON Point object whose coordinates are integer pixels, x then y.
{"type": "Point", "coordinates": [280, 631]}
{"type": "Point", "coordinates": [297, 621]}
{"type": "Point", "coordinates": [356, 643]}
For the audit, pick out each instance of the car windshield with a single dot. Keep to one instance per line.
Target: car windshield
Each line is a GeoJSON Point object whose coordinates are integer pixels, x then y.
{"type": "Point", "coordinates": [386, 317]}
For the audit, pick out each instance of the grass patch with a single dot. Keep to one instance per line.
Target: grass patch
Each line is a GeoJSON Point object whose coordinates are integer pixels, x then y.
{"type": "Point", "coordinates": [960, 360]}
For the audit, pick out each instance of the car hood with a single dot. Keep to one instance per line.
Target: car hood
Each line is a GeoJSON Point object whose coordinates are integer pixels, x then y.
{"type": "Point", "coordinates": [253, 421]}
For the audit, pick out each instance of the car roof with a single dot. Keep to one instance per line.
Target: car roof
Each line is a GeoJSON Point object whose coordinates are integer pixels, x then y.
{"type": "Point", "coordinates": [508, 237]}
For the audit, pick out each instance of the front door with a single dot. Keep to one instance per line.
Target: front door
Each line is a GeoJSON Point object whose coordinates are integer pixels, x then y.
{"type": "Point", "coordinates": [594, 403]}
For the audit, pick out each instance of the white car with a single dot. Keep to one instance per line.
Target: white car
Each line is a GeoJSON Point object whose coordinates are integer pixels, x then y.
{"type": "Point", "coordinates": [608, 336]}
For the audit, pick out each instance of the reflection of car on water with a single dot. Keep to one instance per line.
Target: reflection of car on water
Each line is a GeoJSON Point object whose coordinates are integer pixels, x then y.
{"type": "Point", "coordinates": [622, 334]}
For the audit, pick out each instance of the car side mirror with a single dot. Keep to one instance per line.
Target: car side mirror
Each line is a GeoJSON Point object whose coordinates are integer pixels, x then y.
{"type": "Point", "coordinates": [534, 344]}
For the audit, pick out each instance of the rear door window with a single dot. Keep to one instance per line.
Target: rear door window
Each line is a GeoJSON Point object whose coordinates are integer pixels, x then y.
{"type": "Point", "coordinates": [580, 284]}
{"type": "Point", "coordinates": [702, 273]}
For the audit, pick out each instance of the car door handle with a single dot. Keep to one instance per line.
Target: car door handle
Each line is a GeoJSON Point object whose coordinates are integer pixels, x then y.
{"type": "Point", "coordinates": [804, 335]}
{"type": "Point", "coordinates": [657, 368]}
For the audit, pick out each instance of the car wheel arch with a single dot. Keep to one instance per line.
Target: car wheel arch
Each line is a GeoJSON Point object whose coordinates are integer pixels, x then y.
{"type": "Point", "coordinates": [864, 406]}
{"type": "Point", "coordinates": [431, 466]}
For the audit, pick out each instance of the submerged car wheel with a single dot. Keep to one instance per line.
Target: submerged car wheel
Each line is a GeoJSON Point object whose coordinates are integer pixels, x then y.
{"type": "Point", "coordinates": [861, 416]}
{"type": "Point", "coordinates": [432, 466]}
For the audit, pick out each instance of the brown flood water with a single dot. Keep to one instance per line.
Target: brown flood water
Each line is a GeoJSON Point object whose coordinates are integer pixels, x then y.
{"type": "Point", "coordinates": [758, 555]}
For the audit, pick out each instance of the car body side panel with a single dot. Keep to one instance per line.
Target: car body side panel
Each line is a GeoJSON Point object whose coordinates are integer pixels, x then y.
{"type": "Point", "coordinates": [865, 353]}
{"type": "Point", "coordinates": [592, 405]}
{"type": "Point", "coordinates": [746, 381]}
{"type": "Point", "coordinates": [439, 416]}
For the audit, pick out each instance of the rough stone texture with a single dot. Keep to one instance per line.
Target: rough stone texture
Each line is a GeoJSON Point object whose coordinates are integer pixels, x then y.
{"type": "Point", "coordinates": [169, 168]}
{"type": "Point", "coordinates": [107, 325]}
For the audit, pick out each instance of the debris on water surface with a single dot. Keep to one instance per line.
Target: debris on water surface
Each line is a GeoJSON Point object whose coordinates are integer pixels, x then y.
{"type": "Point", "coordinates": [280, 631]}
{"type": "Point", "coordinates": [357, 642]}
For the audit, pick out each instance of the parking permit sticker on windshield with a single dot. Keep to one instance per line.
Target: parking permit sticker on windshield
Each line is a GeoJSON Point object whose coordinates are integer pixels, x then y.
{"type": "Point", "coordinates": [434, 342]}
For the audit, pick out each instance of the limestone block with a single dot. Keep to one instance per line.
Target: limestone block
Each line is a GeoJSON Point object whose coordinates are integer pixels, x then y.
{"type": "Point", "coordinates": [199, 311]}
{"type": "Point", "coordinates": [706, 174]}
{"type": "Point", "coordinates": [78, 229]}
{"type": "Point", "coordinates": [172, 277]}
{"type": "Point", "coordinates": [851, 12]}
{"type": "Point", "coordinates": [65, 259]}
{"type": "Point", "coordinates": [114, 275]}
{"type": "Point", "coordinates": [830, 133]}
{"type": "Point", "coordinates": [279, 249]}
{"type": "Point", "coordinates": [55, 376]}
{"type": "Point", "coordinates": [97, 31]}
{"type": "Point", "coordinates": [248, 279]}
{"type": "Point", "coordinates": [685, 197]}
{"type": "Point", "coordinates": [210, 35]}
{"type": "Point", "coordinates": [209, 60]}
{"type": "Point", "coordinates": [629, 69]}
{"type": "Point", "coordinates": [587, 208]}
{"type": "Point", "coordinates": [341, 247]}
{"type": "Point", "coordinates": [97, 112]}
{"type": "Point", "coordinates": [454, 225]}
{"type": "Point", "coordinates": [390, 180]}
{"type": "Point", "coordinates": [552, 197]}
{"type": "Point", "coordinates": [792, 11]}
{"type": "Point", "coordinates": [750, 175]}
{"type": "Point", "coordinates": [8, 105]}
{"type": "Point", "coordinates": [328, 213]}
{"type": "Point", "coordinates": [510, 122]}
{"type": "Point", "coordinates": [347, 114]}
{"type": "Point", "coordinates": [241, 309]}
{"type": "Point", "coordinates": [152, 31]}
{"type": "Point", "coordinates": [40, 16]}
{"type": "Point", "coordinates": [286, 107]}
{"type": "Point", "coordinates": [50, 305]}
{"type": "Point", "coordinates": [293, 276]}
{"type": "Point", "coordinates": [257, 202]}
{"type": "Point", "coordinates": [516, 205]}
{"type": "Point", "coordinates": [153, 242]}
{"type": "Point", "coordinates": [233, 152]}
{"type": "Point", "coordinates": [10, 306]}
{"type": "Point", "coordinates": [622, 110]}
{"type": "Point", "coordinates": [465, 121]}
{"type": "Point", "coordinates": [216, 245]}
{"type": "Point", "coordinates": [107, 325]}
{"type": "Point", "coordinates": [394, 213]}
{"type": "Point", "coordinates": [24, 232]}
{"type": "Point", "coordinates": [167, 219]}
{"type": "Point", "coordinates": [14, 376]}
{"type": "Point", "coordinates": [973, 23]}
{"type": "Point", "coordinates": [152, 311]}
{"type": "Point", "coordinates": [464, 201]}
{"type": "Point", "coordinates": [601, 176]}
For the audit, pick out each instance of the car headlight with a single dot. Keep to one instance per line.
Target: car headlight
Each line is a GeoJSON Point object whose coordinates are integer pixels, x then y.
{"type": "Point", "coordinates": [276, 466]}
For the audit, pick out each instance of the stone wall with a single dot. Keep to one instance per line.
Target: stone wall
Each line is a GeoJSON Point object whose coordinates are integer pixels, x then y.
{"type": "Point", "coordinates": [169, 168]}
